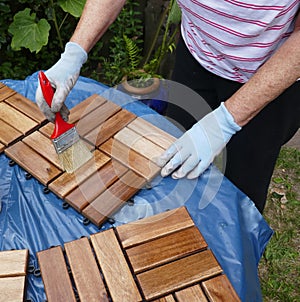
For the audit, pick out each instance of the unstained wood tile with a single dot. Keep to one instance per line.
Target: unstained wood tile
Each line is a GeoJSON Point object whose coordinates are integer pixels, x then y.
{"type": "Point", "coordinates": [12, 289]}
{"type": "Point", "coordinates": [13, 263]}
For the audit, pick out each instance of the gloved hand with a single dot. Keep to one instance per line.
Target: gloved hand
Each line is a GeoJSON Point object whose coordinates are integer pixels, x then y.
{"type": "Point", "coordinates": [195, 150]}
{"type": "Point", "coordinates": [63, 76]}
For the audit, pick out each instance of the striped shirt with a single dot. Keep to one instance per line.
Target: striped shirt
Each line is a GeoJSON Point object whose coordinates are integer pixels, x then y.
{"type": "Point", "coordinates": [233, 38]}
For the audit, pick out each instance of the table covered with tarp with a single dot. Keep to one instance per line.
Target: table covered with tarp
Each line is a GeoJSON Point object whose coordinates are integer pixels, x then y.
{"type": "Point", "coordinates": [229, 221]}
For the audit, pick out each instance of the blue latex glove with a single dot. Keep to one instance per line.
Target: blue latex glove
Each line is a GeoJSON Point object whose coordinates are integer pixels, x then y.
{"type": "Point", "coordinates": [195, 150]}
{"type": "Point", "coordinates": [63, 76]}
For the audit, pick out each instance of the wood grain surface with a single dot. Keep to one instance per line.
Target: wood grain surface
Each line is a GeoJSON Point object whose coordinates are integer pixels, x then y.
{"type": "Point", "coordinates": [13, 263]}
{"type": "Point", "coordinates": [116, 272]}
{"type": "Point", "coordinates": [85, 271]}
{"type": "Point", "coordinates": [8, 134]}
{"type": "Point", "coordinates": [12, 289]}
{"type": "Point", "coordinates": [192, 294]}
{"type": "Point", "coordinates": [2, 147]}
{"type": "Point", "coordinates": [54, 271]}
{"type": "Point", "coordinates": [213, 290]}
{"type": "Point", "coordinates": [171, 276]}
{"type": "Point", "coordinates": [6, 92]}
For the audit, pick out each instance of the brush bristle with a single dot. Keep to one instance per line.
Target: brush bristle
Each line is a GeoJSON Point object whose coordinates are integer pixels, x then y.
{"type": "Point", "coordinates": [75, 156]}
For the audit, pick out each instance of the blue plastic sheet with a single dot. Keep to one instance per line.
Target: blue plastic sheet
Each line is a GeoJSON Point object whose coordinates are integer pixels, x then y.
{"type": "Point", "coordinates": [230, 223]}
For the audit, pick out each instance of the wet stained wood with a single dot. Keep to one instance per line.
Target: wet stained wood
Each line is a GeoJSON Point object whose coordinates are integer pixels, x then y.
{"type": "Point", "coordinates": [85, 271]}
{"type": "Point", "coordinates": [110, 127]}
{"type": "Point", "coordinates": [12, 289]}
{"type": "Point", "coordinates": [219, 289]}
{"type": "Point", "coordinates": [27, 107]}
{"type": "Point", "coordinates": [151, 132]}
{"type": "Point", "coordinates": [191, 294]}
{"type": "Point", "coordinates": [154, 227]}
{"type": "Point", "coordinates": [130, 159]}
{"type": "Point", "coordinates": [54, 271]}
{"type": "Point", "coordinates": [115, 269]}
{"type": "Point", "coordinates": [32, 162]}
{"type": "Point", "coordinates": [96, 184]}
{"type": "Point", "coordinates": [138, 143]}
{"type": "Point", "coordinates": [8, 134]}
{"type": "Point", "coordinates": [44, 146]}
{"type": "Point", "coordinates": [2, 147]}
{"type": "Point", "coordinates": [168, 298]}
{"type": "Point", "coordinates": [96, 117]}
{"type": "Point", "coordinates": [171, 276]}
{"type": "Point", "coordinates": [166, 249]}
{"type": "Point", "coordinates": [13, 263]}
{"type": "Point", "coordinates": [114, 197]}
{"type": "Point", "coordinates": [67, 182]}
{"type": "Point", "coordinates": [6, 92]}
{"type": "Point", "coordinates": [18, 120]}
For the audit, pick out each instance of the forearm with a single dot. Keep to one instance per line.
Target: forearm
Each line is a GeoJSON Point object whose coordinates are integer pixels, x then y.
{"type": "Point", "coordinates": [96, 17]}
{"type": "Point", "coordinates": [275, 76]}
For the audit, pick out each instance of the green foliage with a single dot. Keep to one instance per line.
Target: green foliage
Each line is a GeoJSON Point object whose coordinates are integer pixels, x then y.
{"type": "Point", "coordinates": [73, 7]}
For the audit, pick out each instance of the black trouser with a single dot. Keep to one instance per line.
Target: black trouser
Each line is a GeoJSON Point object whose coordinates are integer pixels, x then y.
{"type": "Point", "coordinates": [252, 152]}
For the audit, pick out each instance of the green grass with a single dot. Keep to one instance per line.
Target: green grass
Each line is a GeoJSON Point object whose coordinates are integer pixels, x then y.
{"type": "Point", "coordinates": [279, 268]}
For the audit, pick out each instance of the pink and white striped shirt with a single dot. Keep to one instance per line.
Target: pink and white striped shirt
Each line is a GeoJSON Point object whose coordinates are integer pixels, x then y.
{"type": "Point", "coordinates": [233, 38]}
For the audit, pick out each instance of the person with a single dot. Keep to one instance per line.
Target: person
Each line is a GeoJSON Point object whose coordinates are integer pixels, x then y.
{"type": "Point", "coordinates": [242, 57]}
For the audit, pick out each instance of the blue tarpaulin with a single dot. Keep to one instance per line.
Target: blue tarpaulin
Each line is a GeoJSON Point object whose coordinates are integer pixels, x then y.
{"type": "Point", "coordinates": [229, 221]}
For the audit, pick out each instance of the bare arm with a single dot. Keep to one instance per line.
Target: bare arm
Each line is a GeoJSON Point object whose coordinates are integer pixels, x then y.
{"type": "Point", "coordinates": [276, 75]}
{"type": "Point", "coordinates": [96, 17]}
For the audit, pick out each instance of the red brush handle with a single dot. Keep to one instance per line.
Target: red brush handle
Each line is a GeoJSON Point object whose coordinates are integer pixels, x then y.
{"type": "Point", "coordinates": [60, 126]}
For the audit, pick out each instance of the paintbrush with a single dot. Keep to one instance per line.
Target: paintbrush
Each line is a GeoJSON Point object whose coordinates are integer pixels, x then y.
{"type": "Point", "coordinates": [71, 150]}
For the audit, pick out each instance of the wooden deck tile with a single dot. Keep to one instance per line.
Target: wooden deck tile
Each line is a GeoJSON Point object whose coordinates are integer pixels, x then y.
{"type": "Point", "coordinates": [67, 182]}
{"type": "Point", "coordinates": [12, 289]}
{"type": "Point", "coordinates": [32, 162]}
{"type": "Point", "coordinates": [116, 272]}
{"type": "Point", "coordinates": [113, 198]}
{"type": "Point", "coordinates": [131, 159]}
{"type": "Point", "coordinates": [2, 147]}
{"type": "Point", "coordinates": [13, 263]}
{"type": "Point", "coordinates": [212, 289]}
{"type": "Point", "coordinates": [1, 85]}
{"type": "Point", "coordinates": [192, 294]}
{"type": "Point", "coordinates": [138, 143]}
{"type": "Point", "coordinates": [27, 107]}
{"type": "Point", "coordinates": [171, 276]}
{"type": "Point", "coordinates": [166, 299]}
{"type": "Point", "coordinates": [54, 271]}
{"type": "Point", "coordinates": [165, 249]}
{"type": "Point", "coordinates": [6, 92]}
{"type": "Point", "coordinates": [18, 120]}
{"type": "Point", "coordinates": [8, 134]}
{"type": "Point", "coordinates": [85, 271]}
{"type": "Point", "coordinates": [96, 184]}
{"type": "Point", "coordinates": [110, 127]}
{"type": "Point", "coordinates": [152, 133]}
{"type": "Point", "coordinates": [154, 227]}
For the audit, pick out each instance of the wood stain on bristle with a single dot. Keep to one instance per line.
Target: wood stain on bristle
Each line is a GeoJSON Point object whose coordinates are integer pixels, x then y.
{"type": "Point", "coordinates": [75, 156]}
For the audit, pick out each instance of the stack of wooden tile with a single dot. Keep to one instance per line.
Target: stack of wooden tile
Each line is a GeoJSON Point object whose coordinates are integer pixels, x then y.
{"type": "Point", "coordinates": [13, 266]}
{"type": "Point", "coordinates": [123, 147]}
{"type": "Point", "coordinates": [160, 258]}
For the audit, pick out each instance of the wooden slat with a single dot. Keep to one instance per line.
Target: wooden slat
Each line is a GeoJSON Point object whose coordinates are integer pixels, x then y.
{"type": "Point", "coordinates": [114, 267]}
{"type": "Point", "coordinates": [44, 146]}
{"type": "Point", "coordinates": [96, 184]}
{"type": "Point", "coordinates": [57, 283]}
{"type": "Point", "coordinates": [151, 132]}
{"type": "Point", "coordinates": [96, 117]}
{"type": "Point", "coordinates": [113, 198]}
{"type": "Point", "coordinates": [8, 134]}
{"type": "Point", "coordinates": [47, 129]}
{"type": "Point", "coordinates": [166, 249]}
{"type": "Point", "coordinates": [191, 294]}
{"type": "Point", "coordinates": [14, 117]}
{"type": "Point", "coordinates": [12, 289]}
{"type": "Point", "coordinates": [2, 147]}
{"type": "Point", "coordinates": [13, 263]}
{"type": "Point", "coordinates": [85, 271]}
{"type": "Point", "coordinates": [1, 85]}
{"type": "Point", "coordinates": [178, 274]}
{"type": "Point", "coordinates": [67, 182]}
{"type": "Point", "coordinates": [6, 92]}
{"type": "Point", "coordinates": [32, 162]}
{"type": "Point", "coordinates": [27, 107]}
{"type": "Point", "coordinates": [168, 298]}
{"type": "Point", "coordinates": [85, 107]}
{"type": "Point", "coordinates": [110, 127]}
{"type": "Point", "coordinates": [154, 227]}
{"type": "Point", "coordinates": [138, 143]}
{"type": "Point", "coordinates": [219, 289]}
{"type": "Point", "coordinates": [130, 159]}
